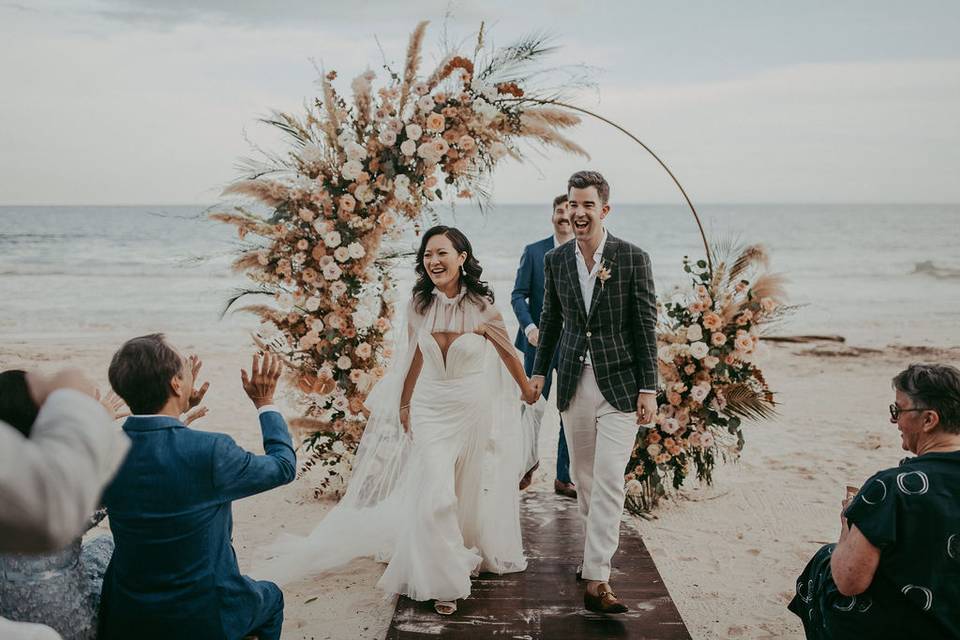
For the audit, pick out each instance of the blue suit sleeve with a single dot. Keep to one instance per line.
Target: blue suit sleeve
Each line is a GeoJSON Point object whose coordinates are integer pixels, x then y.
{"type": "Point", "coordinates": [551, 320]}
{"type": "Point", "coordinates": [521, 290]}
{"type": "Point", "coordinates": [238, 473]}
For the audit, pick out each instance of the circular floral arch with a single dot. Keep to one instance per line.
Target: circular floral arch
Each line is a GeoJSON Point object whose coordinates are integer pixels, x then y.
{"type": "Point", "coordinates": [359, 173]}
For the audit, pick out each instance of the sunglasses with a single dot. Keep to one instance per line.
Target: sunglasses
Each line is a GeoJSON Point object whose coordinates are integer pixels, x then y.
{"type": "Point", "coordinates": [895, 411]}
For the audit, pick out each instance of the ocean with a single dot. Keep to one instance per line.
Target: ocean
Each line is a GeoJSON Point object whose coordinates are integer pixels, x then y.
{"type": "Point", "coordinates": [875, 274]}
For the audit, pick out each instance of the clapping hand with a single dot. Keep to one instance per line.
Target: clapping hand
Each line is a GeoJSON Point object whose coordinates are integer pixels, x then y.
{"type": "Point", "coordinates": [196, 395]}
{"type": "Point", "coordinates": [113, 404]}
{"type": "Point", "coordinates": [261, 383]}
{"type": "Point", "coordinates": [194, 414]}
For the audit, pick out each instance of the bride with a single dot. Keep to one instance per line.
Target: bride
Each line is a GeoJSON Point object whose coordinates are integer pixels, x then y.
{"type": "Point", "coordinates": [434, 487]}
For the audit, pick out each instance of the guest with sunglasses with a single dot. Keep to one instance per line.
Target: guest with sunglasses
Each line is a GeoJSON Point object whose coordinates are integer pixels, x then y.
{"type": "Point", "coordinates": [895, 571]}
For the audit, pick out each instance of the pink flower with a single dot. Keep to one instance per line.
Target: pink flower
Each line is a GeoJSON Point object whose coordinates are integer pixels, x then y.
{"type": "Point", "coordinates": [712, 321]}
{"type": "Point", "coordinates": [466, 143]}
{"type": "Point", "coordinates": [347, 202]}
{"type": "Point", "coordinates": [674, 398]}
{"type": "Point", "coordinates": [717, 339]}
{"type": "Point", "coordinates": [342, 254]}
{"type": "Point", "coordinates": [306, 215]}
{"type": "Point", "coordinates": [744, 343]}
{"type": "Point", "coordinates": [364, 350]}
{"type": "Point", "coordinates": [436, 122]}
{"type": "Point", "coordinates": [710, 362]}
{"type": "Point", "coordinates": [382, 325]}
{"type": "Point", "coordinates": [670, 426]}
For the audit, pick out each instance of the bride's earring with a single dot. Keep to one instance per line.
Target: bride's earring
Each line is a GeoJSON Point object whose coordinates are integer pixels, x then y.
{"type": "Point", "coordinates": [462, 272]}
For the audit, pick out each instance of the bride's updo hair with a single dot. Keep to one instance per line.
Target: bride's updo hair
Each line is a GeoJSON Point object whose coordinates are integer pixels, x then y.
{"type": "Point", "coordinates": [469, 277]}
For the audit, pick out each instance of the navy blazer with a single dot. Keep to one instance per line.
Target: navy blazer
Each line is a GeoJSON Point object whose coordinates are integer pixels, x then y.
{"type": "Point", "coordinates": [174, 572]}
{"type": "Point", "coordinates": [527, 297]}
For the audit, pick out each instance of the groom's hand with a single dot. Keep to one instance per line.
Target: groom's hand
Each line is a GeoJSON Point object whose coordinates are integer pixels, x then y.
{"type": "Point", "coordinates": [536, 388]}
{"type": "Point", "coordinates": [646, 407]}
{"type": "Point", "coordinates": [196, 395]}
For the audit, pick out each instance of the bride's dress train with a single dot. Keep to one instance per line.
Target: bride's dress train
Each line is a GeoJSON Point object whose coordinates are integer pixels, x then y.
{"type": "Point", "coordinates": [443, 504]}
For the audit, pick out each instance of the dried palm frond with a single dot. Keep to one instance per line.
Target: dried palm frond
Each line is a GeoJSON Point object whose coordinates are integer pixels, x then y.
{"type": "Point", "coordinates": [510, 62]}
{"type": "Point", "coordinates": [248, 260]}
{"type": "Point", "coordinates": [298, 131]}
{"type": "Point", "coordinates": [754, 255]}
{"type": "Point", "coordinates": [363, 97]}
{"type": "Point", "coordinates": [745, 402]}
{"type": "Point", "coordinates": [412, 64]}
{"type": "Point", "coordinates": [332, 123]}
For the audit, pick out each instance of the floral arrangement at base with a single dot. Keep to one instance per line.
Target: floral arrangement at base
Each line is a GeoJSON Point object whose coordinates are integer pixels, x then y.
{"type": "Point", "coordinates": [358, 174]}
{"type": "Point", "coordinates": [707, 338]}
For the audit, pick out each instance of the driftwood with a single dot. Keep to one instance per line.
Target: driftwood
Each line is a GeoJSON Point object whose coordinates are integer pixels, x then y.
{"type": "Point", "coordinates": [801, 339]}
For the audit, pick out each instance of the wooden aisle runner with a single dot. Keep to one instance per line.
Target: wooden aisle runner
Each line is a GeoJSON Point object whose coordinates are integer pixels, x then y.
{"type": "Point", "coordinates": [546, 602]}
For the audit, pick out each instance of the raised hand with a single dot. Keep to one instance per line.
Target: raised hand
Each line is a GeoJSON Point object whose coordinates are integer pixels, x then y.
{"type": "Point", "coordinates": [261, 382]}
{"type": "Point", "coordinates": [113, 404]}
{"type": "Point", "coordinates": [196, 395]}
{"type": "Point", "coordinates": [194, 415]}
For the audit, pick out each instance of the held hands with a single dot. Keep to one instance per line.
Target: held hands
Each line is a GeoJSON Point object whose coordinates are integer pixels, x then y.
{"type": "Point", "coordinates": [535, 389]}
{"type": "Point", "coordinates": [646, 407]}
{"type": "Point", "coordinates": [262, 381]}
{"type": "Point", "coordinates": [196, 395]}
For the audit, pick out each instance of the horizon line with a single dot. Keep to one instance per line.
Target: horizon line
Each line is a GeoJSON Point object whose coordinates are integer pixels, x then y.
{"type": "Point", "coordinates": [534, 204]}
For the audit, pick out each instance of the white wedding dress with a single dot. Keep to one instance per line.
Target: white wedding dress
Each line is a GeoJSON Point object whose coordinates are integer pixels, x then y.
{"type": "Point", "coordinates": [440, 504]}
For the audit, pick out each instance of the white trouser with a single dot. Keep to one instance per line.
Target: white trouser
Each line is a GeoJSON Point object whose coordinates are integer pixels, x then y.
{"type": "Point", "coordinates": [10, 630]}
{"type": "Point", "coordinates": [600, 440]}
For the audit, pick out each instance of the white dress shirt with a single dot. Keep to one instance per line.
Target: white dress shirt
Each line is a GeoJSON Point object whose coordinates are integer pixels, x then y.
{"type": "Point", "coordinates": [588, 279]}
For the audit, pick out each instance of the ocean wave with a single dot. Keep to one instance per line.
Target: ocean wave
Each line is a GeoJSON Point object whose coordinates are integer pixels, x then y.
{"type": "Point", "coordinates": [929, 268]}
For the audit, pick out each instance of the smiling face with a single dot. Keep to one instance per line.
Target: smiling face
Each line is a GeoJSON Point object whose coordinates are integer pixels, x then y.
{"type": "Point", "coordinates": [442, 263]}
{"type": "Point", "coordinates": [561, 221]}
{"type": "Point", "coordinates": [587, 212]}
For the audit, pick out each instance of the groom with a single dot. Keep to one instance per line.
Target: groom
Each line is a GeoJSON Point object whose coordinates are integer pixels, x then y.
{"type": "Point", "coordinates": [600, 309]}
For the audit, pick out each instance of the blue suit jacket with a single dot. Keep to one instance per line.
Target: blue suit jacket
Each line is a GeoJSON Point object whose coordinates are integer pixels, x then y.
{"type": "Point", "coordinates": [527, 297]}
{"type": "Point", "coordinates": [174, 572]}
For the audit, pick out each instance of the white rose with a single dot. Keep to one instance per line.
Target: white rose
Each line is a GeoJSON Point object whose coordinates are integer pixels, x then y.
{"type": "Point", "coordinates": [699, 350]}
{"type": "Point", "coordinates": [665, 353]}
{"type": "Point", "coordinates": [421, 88]}
{"type": "Point", "coordinates": [332, 239]}
{"type": "Point", "coordinates": [414, 131]}
{"type": "Point", "coordinates": [312, 304]}
{"type": "Point", "coordinates": [654, 449]}
{"type": "Point", "coordinates": [711, 362]}
{"type": "Point", "coordinates": [498, 150]}
{"type": "Point", "coordinates": [356, 250]}
{"type": "Point", "coordinates": [395, 125]}
{"type": "Point", "coordinates": [387, 137]}
{"type": "Point", "coordinates": [311, 154]}
{"type": "Point", "coordinates": [670, 426]}
{"type": "Point", "coordinates": [408, 147]}
{"type": "Point", "coordinates": [700, 392]}
{"type": "Point", "coordinates": [364, 193]}
{"type": "Point", "coordinates": [332, 271]}
{"type": "Point", "coordinates": [351, 170]}
{"type": "Point", "coordinates": [344, 363]}
{"type": "Point", "coordinates": [694, 333]}
{"type": "Point", "coordinates": [426, 104]}
{"type": "Point", "coordinates": [317, 324]}
{"type": "Point", "coordinates": [345, 138]}
{"type": "Point", "coordinates": [342, 254]}
{"type": "Point", "coordinates": [355, 151]}
{"type": "Point", "coordinates": [338, 447]}
{"type": "Point", "coordinates": [401, 182]}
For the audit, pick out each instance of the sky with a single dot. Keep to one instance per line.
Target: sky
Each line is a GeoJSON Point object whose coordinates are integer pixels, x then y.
{"type": "Point", "coordinates": [149, 102]}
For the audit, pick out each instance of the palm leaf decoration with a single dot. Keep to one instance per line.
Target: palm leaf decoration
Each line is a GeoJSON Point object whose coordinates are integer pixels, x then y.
{"type": "Point", "coordinates": [746, 402]}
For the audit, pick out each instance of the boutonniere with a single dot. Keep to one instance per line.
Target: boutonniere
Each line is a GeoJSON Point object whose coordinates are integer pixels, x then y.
{"type": "Point", "coordinates": [604, 273]}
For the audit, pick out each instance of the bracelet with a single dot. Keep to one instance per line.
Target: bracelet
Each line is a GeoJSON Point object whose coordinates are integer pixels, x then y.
{"type": "Point", "coordinates": [404, 406]}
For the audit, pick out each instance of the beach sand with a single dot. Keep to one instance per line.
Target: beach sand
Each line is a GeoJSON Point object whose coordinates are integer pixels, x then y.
{"type": "Point", "coordinates": [729, 553]}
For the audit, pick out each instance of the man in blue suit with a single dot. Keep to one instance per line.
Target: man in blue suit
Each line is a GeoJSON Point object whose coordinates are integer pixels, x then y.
{"type": "Point", "coordinates": [527, 301]}
{"type": "Point", "coordinates": [174, 572]}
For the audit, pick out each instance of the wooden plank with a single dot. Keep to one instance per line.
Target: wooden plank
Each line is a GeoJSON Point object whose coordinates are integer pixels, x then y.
{"type": "Point", "coordinates": [546, 601]}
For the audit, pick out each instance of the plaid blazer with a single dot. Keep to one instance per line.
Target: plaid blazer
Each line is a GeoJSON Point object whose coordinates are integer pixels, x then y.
{"type": "Point", "coordinates": [619, 327]}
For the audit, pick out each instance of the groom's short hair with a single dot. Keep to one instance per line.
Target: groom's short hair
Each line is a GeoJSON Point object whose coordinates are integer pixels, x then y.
{"type": "Point", "coordinates": [584, 179]}
{"type": "Point", "coordinates": [141, 370]}
{"type": "Point", "coordinates": [559, 199]}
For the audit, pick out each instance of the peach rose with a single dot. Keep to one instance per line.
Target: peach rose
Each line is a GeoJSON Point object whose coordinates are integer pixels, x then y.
{"type": "Point", "coordinates": [718, 339]}
{"type": "Point", "coordinates": [364, 350]}
{"type": "Point", "coordinates": [744, 343]}
{"type": "Point", "coordinates": [436, 122]}
{"type": "Point", "coordinates": [712, 321]}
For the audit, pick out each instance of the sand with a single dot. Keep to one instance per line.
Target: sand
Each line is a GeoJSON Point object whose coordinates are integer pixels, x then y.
{"type": "Point", "coordinates": [728, 553]}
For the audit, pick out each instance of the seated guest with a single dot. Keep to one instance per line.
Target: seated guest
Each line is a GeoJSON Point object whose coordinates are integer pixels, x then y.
{"type": "Point", "coordinates": [58, 449]}
{"type": "Point", "coordinates": [174, 572]}
{"type": "Point", "coordinates": [895, 572]}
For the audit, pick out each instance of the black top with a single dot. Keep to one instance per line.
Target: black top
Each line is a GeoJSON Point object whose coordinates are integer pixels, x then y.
{"type": "Point", "coordinates": [912, 514]}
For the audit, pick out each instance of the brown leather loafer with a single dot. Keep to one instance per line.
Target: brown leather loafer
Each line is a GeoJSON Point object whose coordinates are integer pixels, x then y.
{"type": "Point", "coordinates": [566, 489]}
{"type": "Point", "coordinates": [605, 602]}
{"type": "Point", "coordinates": [579, 573]}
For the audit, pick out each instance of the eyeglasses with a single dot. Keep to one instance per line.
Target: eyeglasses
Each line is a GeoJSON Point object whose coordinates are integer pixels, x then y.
{"type": "Point", "coordinates": [895, 411]}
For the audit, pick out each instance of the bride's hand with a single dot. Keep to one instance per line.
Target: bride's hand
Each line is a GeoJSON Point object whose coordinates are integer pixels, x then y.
{"type": "Point", "coordinates": [529, 394]}
{"type": "Point", "coordinates": [405, 418]}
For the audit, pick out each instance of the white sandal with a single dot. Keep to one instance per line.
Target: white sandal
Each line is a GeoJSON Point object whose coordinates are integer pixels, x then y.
{"type": "Point", "coordinates": [445, 607]}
